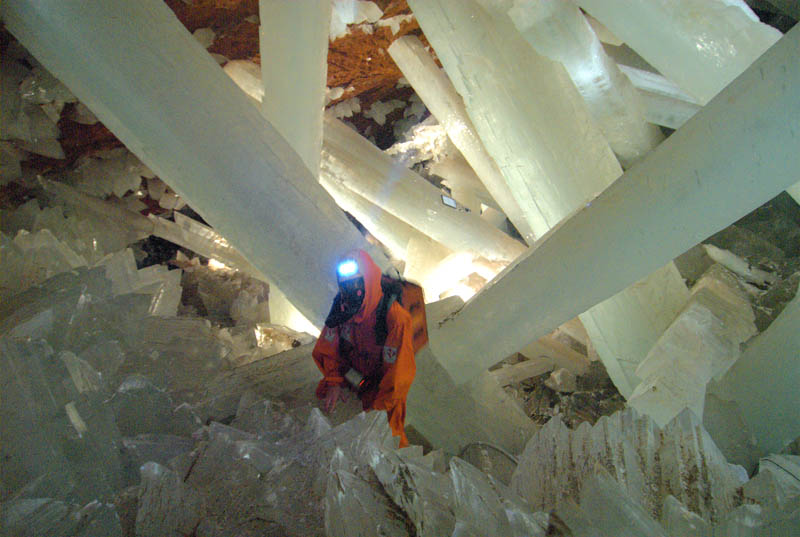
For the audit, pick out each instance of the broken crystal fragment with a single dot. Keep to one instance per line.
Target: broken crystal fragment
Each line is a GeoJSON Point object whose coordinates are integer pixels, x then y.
{"type": "Point", "coordinates": [167, 505]}
{"type": "Point", "coordinates": [606, 509]}
{"type": "Point", "coordinates": [664, 102]}
{"type": "Point", "coordinates": [204, 36]}
{"type": "Point", "coordinates": [50, 427]}
{"type": "Point", "coordinates": [355, 507]}
{"type": "Point", "coordinates": [677, 520]}
{"type": "Point", "coordinates": [558, 30]}
{"type": "Point", "coordinates": [700, 45]}
{"type": "Point", "coordinates": [702, 342]}
{"type": "Point", "coordinates": [561, 380]}
{"type": "Point", "coordinates": [114, 172]}
{"type": "Point", "coordinates": [777, 482]}
{"type": "Point", "coordinates": [346, 12]}
{"type": "Point", "coordinates": [142, 408]}
{"type": "Point", "coordinates": [424, 494]}
{"type": "Point", "coordinates": [160, 448]}
{"type": "Point", "coordinates": [34, 517]}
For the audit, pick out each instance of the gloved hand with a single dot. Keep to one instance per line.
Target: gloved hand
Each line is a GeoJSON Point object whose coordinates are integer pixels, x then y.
{"type": "Point", "coordinates": [335, 393]}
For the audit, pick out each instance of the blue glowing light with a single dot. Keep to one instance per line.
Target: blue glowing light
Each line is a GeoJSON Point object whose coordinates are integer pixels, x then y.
{"type": "Point", "coordinates": [347, 268]}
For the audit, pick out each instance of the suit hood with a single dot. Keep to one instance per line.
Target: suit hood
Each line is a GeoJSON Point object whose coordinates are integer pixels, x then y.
{"type": "Point", "coordinates": [372, 284]}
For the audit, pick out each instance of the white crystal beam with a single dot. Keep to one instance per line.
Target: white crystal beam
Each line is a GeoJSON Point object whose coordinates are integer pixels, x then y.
{"type": "Point", "coordinates": [441, 98]}
{"type": "Point", "coordinates": [355, 162]}
{"type": "Point", "coordinates": [558, 30]}
{"type": "Point", "coordinates": [390, 230]}
{"type": "Point", "coordinates": [525, 109]}
{"type": "Point", "coordinates": [701, 45]}
{"type": "Point", "coordinates": [148, 80]}
{"type": "Point", "coordinates": [294, 64]}
{"type": "Point", "coordinates": [553, 156]}
{"type": "Point", "coordinates": [735, 154]}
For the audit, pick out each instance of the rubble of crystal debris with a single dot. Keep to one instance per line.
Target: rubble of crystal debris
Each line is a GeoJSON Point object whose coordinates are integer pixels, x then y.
{"type": "Point", "coordinates": [149, 392]}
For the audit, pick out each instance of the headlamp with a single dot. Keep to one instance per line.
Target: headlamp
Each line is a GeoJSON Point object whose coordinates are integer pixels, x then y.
{"type": "Point", "coordinates": [347, 268]}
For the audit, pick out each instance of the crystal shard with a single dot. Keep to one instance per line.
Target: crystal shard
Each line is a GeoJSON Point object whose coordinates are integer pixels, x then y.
{"type": "Point", "coordinates": [648, 462]}
{"type": "Point", "coordinates": [355, 507]}
{"type": "Point", "coordinates": [424, 494]}
{"type": "Point", "coordinates": [605, 509]}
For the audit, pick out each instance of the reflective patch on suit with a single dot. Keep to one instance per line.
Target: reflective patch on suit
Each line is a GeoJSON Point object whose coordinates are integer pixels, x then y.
{"type": "Point", "coordinates": [328, 334]}
{"type": "Point", "coordinates": [389, 354]}
{"type": "Point", "coordinates": [346, 332]}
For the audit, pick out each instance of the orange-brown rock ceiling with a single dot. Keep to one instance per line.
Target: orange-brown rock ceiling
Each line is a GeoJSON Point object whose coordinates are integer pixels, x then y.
{"type": "Point", "coordinates": [357, 62]}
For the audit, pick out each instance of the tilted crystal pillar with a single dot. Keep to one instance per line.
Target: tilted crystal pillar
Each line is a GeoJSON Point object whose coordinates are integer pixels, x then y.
{"type": "Point", "coordinates": [548, 148]}
{"type": "Point", "coordinates": [558, 30]}
{"type": "Point", "coordinates": [763, 382]}
{"type": "Point", "coordinates": [354, 161]}
{"type": "Point", "coordinates": [552, 154]}
{"type": "Point", "coordinates": [664, 102]}
{"type": "Point", "coordinates": [691, 186]}
{"type": "Point", "coordinates": [701, 45]}
{"type": "Point", "coordinates": [294, 64]}
{"type": "Point", "coordinates": [147, 79]}
{"type": "Point", "coordinates": [441, 98]}
{"type": "Point", "coordinates": [390, 230]}
{"type": "Point", "coordinates": [294, 61]}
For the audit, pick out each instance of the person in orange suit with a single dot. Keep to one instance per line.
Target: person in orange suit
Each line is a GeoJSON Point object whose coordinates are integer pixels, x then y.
{"type": "Point", "coordinates": [348, 352]}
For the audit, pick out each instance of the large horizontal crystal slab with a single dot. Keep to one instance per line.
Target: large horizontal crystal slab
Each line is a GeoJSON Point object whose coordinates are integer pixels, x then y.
{"type": "Point", "coordinates": [700, 45]}
{"type": "Point", "coordinates": [688, 188]}
{"type": "Point", "coordinates": [227, 162]}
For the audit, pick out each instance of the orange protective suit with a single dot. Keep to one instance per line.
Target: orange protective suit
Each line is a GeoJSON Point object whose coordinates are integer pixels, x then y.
{"type": "Point", "coordinates": [393, 363]}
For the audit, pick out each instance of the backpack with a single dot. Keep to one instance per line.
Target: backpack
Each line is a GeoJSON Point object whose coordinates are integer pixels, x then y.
{"type": "Point", "coordinates": [411, 297]}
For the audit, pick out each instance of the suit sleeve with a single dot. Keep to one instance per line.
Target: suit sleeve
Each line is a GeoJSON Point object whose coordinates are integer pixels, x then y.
{"type": "Point", "coordinates": [326, 356]}
{"type": "Point", "coordinates": [398, 360]}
